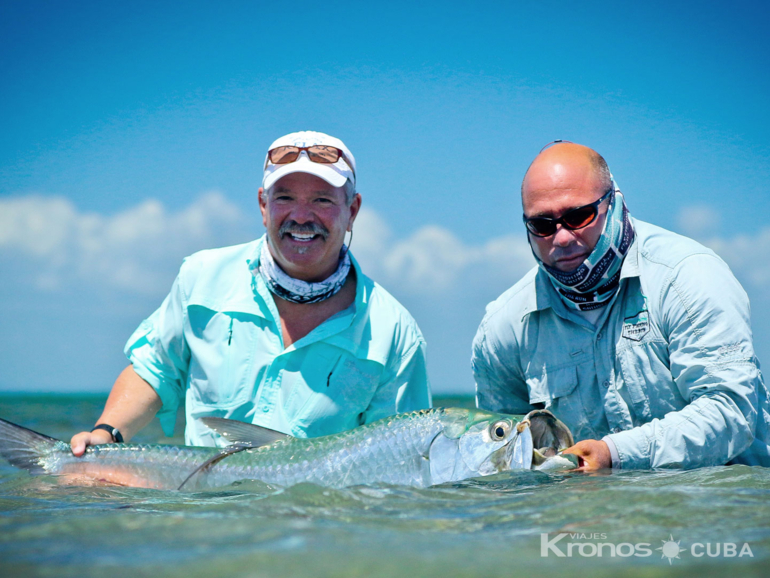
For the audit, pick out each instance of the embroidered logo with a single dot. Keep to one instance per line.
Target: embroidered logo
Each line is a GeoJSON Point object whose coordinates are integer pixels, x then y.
{"type": "Point", "coordinates": [636, 326]}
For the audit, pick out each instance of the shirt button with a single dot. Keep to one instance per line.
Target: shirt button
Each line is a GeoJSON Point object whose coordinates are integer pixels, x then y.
{"type": "Point", "coordinates": [617, 430]}
{"type": "Point", "coordinates": [265, 409]}
{"type": "Point", "coordinates": [606, 383]}
{"type": "Point", "coordinates": [599, 336]}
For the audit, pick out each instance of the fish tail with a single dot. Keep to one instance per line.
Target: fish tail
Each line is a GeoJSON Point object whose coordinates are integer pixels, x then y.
{"type": "Point", "coordinates": [23, 447]}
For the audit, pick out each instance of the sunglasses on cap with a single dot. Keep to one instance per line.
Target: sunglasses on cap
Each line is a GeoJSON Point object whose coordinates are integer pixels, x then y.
{"type": "Point", "coordinates": [573, 219]}
{"type": "Point", "coordinates": [323, 154]}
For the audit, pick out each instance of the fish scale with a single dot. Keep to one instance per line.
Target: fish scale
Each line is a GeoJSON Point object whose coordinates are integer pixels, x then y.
{"type": "Point", "coordinates": [388, 456]}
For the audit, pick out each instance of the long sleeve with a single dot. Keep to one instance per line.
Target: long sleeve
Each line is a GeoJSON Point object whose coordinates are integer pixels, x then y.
{"type": "Point", "coordinates": [705, 314]}
{"type": "Point", "coordinates": [500, 384]}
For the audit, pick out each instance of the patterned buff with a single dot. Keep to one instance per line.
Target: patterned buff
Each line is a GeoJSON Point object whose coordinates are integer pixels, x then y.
{"type": "Point", "coordinates": [296, 290]}
{"type": "Point", "coordinates": [594, 283]}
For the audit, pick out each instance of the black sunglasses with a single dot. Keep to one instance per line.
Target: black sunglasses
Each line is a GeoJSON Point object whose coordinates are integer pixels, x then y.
{"type": "Point", "coordinates": [573, 219]}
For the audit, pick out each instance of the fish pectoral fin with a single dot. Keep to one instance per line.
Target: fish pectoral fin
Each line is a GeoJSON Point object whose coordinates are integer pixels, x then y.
{"type": "Point", "coordinates": [228, 451]}
{"type": "Point", "coordinates": [238, 432]}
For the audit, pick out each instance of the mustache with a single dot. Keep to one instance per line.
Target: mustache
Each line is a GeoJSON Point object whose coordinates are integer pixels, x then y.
{"type": "Point", "coordinates": [305, 228]}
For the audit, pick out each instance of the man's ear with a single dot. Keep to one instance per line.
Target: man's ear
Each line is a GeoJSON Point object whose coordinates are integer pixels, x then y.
{"type": "Point", "coordinates": [262, 197]}
{"type": "Point", "coordinates": [355, 206]}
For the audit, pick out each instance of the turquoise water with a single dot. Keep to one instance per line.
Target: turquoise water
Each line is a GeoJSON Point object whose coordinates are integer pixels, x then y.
{"type": "Point", "coordinates": [490, 527]}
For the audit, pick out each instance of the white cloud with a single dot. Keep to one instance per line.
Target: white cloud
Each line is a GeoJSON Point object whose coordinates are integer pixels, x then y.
{"type": "Point", "coordinates": [433, 260]}
{"type": "Point", "coordinates": [747, 255]}
{"type": "Point", "coordinates": [136, 250]}
{"type": "Point", "coordinates": [698, 220]}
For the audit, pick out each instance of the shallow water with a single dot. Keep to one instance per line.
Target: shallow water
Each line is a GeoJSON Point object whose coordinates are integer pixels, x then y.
{"type": "Point", "coordinates": [489, 527]}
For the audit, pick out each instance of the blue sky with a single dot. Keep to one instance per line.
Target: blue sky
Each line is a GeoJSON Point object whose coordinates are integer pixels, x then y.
{"type": "Point", "coordinates": [134, 134]}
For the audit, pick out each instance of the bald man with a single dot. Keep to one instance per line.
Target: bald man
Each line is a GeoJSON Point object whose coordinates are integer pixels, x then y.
{"type": "Point", "coordinates": [637, 338]}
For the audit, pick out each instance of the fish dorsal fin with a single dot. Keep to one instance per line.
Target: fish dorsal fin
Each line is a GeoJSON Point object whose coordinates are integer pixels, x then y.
{"type": "Point", "coordinates": [238, 432]}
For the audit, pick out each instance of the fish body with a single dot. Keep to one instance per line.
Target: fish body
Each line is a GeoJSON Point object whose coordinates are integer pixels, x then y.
{"type": "Point", "coordinates": [419, 449]}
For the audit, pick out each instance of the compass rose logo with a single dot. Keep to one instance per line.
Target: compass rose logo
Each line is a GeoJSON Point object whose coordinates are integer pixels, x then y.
{"type": "Point", "coordinates": [670, 549]}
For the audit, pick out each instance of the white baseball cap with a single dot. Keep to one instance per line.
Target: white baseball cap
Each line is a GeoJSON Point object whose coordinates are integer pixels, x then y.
{"type": "Point", "coordinates": [335, 174]}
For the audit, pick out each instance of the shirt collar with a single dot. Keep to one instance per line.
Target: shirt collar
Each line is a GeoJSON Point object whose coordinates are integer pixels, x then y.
{"type": "Point", "coordinates": [544, 295]}
{"type": "Point", "coordinates": [630, 267]}
{"type": "Point", "coordinates": [333, 330]}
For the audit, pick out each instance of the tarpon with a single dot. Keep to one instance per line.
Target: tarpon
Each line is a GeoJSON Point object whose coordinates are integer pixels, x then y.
{"type": "Point", "coordinates": [420, 448]}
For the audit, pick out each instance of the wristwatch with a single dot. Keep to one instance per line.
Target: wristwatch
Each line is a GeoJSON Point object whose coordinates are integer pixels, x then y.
{"type": "Point", "coordinates": [114, 432]}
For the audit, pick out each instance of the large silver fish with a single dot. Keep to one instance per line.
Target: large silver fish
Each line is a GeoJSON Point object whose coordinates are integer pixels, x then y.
{"type": "Point", "coordinates": [420, 449]}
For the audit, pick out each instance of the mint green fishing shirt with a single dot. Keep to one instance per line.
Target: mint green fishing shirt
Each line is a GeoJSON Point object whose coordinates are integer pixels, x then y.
{"type": "Point", "coordinates": [216, 342]}
{"type": "Point", "coordinates": [668, 373]}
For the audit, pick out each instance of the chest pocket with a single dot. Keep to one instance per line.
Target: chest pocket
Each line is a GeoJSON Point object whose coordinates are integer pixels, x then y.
{"type": "Point", "coordinates": [220, 356]}
{"type": "Point", "coordinates": [329, 396]}
{"type": "Point", "coordinates": [557, 391]}
{"type": "Point", "coordinates": [546, 387]}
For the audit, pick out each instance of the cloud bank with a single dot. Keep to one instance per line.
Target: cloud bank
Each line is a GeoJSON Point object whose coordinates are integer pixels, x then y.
{"type": "Point", "coordinates": [132, 251]}
{"type": "Point", "coordinates": [136, 250]}
{"type": "Point", "coordinates": [89, 268]}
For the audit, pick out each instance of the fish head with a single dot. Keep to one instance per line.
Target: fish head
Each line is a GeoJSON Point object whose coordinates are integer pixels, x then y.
{"type": "Point", "coordinates": [476, 443]}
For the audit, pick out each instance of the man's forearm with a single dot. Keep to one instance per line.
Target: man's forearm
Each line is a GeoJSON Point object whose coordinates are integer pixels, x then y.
{"type": "Point", "coordinates": [131, 405]}
{"type": "Point", "coordinates": [709, 431]}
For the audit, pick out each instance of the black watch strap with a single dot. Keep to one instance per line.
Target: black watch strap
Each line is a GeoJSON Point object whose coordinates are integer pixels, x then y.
{"type": "Point", "coordinates": [114, 432]}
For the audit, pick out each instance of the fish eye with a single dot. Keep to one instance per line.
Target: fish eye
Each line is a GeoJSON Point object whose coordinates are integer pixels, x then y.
{"type": "Point", "coordinates": [499, 430]}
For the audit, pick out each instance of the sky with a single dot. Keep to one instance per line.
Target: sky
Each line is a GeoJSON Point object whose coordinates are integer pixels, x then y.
{"type": "Point", "coordinates": [134, 134]}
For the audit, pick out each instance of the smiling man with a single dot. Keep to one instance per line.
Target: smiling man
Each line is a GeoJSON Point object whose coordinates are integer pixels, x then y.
{"type": "Point", "coordinates": [285, 332]}
{"type": "Point", "coordinates": [637, 338]}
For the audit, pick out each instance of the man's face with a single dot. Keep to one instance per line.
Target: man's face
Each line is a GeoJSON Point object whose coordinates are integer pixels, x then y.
{"type": "Point", "coordinates": [306, 219]}
{"type": "Point", "coordinates": [553, 186]}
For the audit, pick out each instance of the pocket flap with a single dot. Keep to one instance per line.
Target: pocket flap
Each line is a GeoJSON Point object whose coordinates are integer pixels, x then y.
{"type": "Point", "coordinates": [550, 385]}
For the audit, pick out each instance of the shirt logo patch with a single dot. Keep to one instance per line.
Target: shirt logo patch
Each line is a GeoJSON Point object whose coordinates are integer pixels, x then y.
{"type": "Point", "coordinates": [636, 326]}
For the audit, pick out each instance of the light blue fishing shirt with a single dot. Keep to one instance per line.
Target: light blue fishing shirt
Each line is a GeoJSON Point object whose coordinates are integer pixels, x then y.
{"type": "Point", "coordinates": [668, 372]}
{"type": "Point", "coordinates": [216, 342]}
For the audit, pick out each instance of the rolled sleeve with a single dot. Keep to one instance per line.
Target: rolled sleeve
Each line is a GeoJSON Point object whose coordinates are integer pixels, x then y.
{"type": "Point", "coordinates": [706, 315]}
{"type": "Point", "coordinates": [160, 355]}
{"type": "Point", "coordinates": [407, 383]}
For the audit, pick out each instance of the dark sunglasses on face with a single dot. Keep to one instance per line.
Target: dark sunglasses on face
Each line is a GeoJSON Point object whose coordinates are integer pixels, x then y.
{"type": "Point", "coordinates": [573, 219]}
{"type": "Point", "coordinates": [317, 153]}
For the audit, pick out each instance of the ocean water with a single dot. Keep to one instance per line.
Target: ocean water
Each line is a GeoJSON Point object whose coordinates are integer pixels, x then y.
{"type": "Point", "coordinates": [709, 522]}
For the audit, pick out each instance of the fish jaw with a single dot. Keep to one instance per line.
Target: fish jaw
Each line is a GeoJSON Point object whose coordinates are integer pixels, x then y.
{"type": "Point", "coordinates": [519, 451]}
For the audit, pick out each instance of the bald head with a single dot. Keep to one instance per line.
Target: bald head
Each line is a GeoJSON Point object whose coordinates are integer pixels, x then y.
{"type": "Point", "coordinates": [563, 158]}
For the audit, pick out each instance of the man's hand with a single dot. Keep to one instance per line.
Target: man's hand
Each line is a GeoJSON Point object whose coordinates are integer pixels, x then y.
{"type": "Point", "coordinates": [592, 454]}
{"type": "Point", "coordinates": [89, 438]}
{"type": "Point", "coordinates": [131, 405]}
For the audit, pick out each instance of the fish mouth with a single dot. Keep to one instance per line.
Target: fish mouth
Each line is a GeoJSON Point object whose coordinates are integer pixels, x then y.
{"type": "Point", "coordinates": [548, 431]}
{"type": "Point", "coordinates": [549, 437]}
{"type": "Point", "coordinates": [537, 438]}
